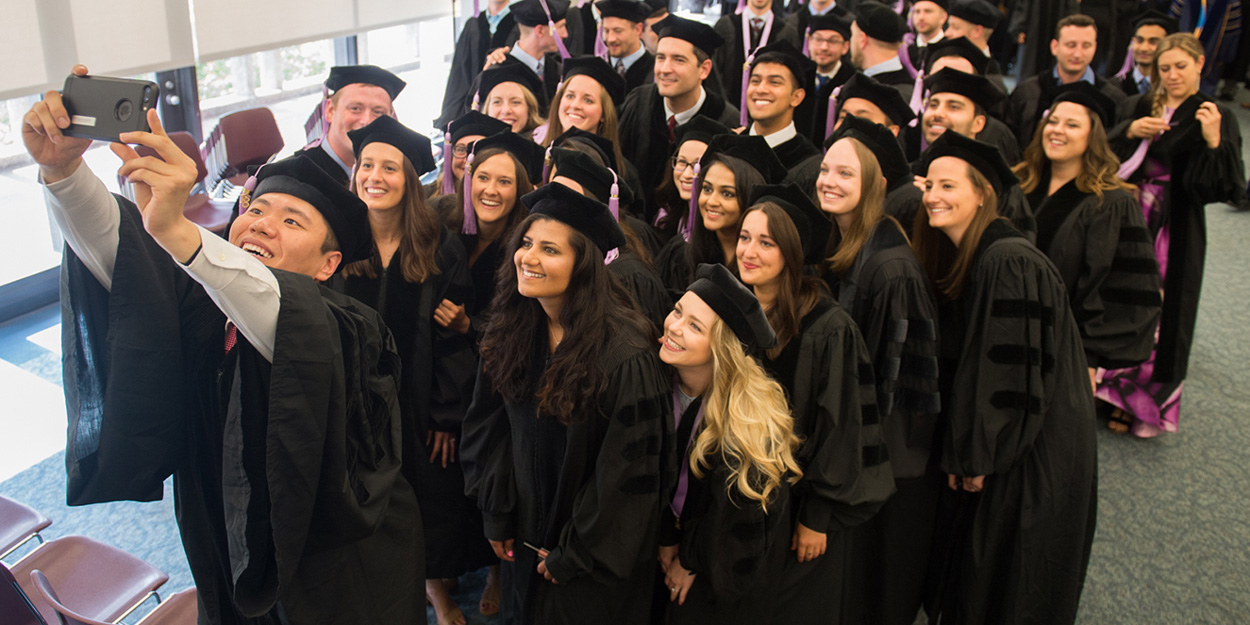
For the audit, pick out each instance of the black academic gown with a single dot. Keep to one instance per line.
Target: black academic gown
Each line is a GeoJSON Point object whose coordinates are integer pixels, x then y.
{"type": "Point", "coordinates": [1199, 176]}
{"type": "Point", "coordinates": [1037, 20]}
{"type": "Point", "coordinates": [900, 79]}
{"type": "Point", "coordinates": [642, 72]}
{"type": "Point", "coordinates": [1105, 255]}
{"type": "Point", "coordinates": [1033, 96]}
{"type": "Point", "coordinates": [820, 102]}
{"type": "Point", "coordinates": [828, 377]}
{"type": "Point", "coordinates": [1017, 409]}
{"type": "Point", "coordinates": [482, 276]}
{"type": "Point", "coordinates": [322, 158]}
{"type": "Point", "coordinates": [439, 367]}
{"type": "Point", "coordinates": [794, 151]}
{"type": "Point", "coordinates": [728, 59]}
{"type": "Point", "coordinates": [728, 542]}
{"type": "Point", "coordinates": [475, 42]}
{"type": "Point", "coordinates": [675, 265]}
{"type": "Point", "coordinates": [589, 493]}
{"type": "Point", "coordinates": [287, 482]}
{"type": "Point", "coordinates": [1127, 84]}
{"type": "Point", "coordinates": [644, 135]}
{"type": "Point", "coordinates": [904, 202]}
{"type": "Point", "coordinates": [887, 294]}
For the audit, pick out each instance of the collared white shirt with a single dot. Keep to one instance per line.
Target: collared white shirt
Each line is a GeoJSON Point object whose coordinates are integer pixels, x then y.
{"type": "Point", "coordinates": [241, 286]}
{"type": "Point", "coordinates": [921, 43]}
{"type": "Point", "coordinates": [892, 65]}
{"type": "Point", "coordinates": [779, 137]}
{"type": "Point", "coordinates": [689, 113]}
{"type": "Point", "coordinates": [529, 61]}
{"type": "Point", "coordinates": [1088, 76]}
{"type": "Point", "coordinates": [629, 61]}
{"type": "Point", "coordinates": [827, 9]}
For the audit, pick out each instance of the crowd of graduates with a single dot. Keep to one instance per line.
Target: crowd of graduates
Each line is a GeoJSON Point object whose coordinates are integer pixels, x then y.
{"type": "Point", "coordinates": [796, 318]}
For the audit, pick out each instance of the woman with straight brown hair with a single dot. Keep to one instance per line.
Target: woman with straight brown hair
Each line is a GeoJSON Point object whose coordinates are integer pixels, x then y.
{"type": "Point", "coordinates": [821, 362]}
{"type": "Point", "coordinates": [417, 263]}
{"type": "Point", "coordinates": [1183, 151]}
{"type": "Point", "coordinates": [1017, 431]}
{"type": "Point", "coordinates": [876, 277]}
{"type": "Point", "coordinates": [1090, 225]}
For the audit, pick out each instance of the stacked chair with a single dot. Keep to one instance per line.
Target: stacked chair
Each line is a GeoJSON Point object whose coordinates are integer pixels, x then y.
{"type": "Point", "coordinates": [75, 580]}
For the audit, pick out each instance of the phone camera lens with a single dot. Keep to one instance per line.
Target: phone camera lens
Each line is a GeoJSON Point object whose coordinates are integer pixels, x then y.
{"type": "Point", "coordinates": [124, 110]}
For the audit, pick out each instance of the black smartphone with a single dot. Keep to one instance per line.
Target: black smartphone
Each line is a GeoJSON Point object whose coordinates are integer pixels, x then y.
{"type": "Point", "coordinates": [102, 107]}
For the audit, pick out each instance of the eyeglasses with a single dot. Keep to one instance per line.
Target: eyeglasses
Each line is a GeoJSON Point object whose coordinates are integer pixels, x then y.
{"type": "Point", "coordinates": [460, 150]}
{"type": "Point", "coordinates": [832, 41]}
{"type": "Point", "coordinates": [680, 164]}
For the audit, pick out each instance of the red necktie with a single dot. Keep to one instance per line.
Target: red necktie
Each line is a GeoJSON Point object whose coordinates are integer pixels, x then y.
{"type": "Point", "coordinates": [672, 125]}
{"type": "Point", "coordinates": [232, 336]}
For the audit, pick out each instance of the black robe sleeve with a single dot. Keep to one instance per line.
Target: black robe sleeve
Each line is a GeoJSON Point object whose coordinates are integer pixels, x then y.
{"type": "Point", "coordinates": [727, 545]}
{"type": "Point", "coordinates": [486, 457]}
{"type": "Point", "coordinates": [846, 471]}
{"type": "Point", "coordinates": [1115, 290]}
{"type": "Point", "coordinates": [1004, 380]}
{"type": "Point", "coordinates": [1218, 175]}
{"type": "Point", "coordinates": [675, 266]}
{"type": "Point", "coordinates": [454, 360]}
{"type": "Point", "coordinates": [652, 299]}
{"type": "Point", "coordinates": [126, 396]}
{"type": "Point", "coordinates": [615, 515]}
{"type": "Point", "coordinates": [900, 331]}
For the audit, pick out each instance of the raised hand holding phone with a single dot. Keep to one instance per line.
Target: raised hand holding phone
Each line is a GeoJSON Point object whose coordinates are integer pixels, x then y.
{"type": "Point", "coordinates": [58, 156]}
{"type": "Point", "coordinates": [161, 186]}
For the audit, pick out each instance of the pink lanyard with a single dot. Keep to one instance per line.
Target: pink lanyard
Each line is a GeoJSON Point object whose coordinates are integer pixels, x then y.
{"type": "Point", "coordinates": [748, 55]}
{"type": "Point", "coordinates": [1139, 156]}
{"type": "Point", "coordinates": [683, 475]}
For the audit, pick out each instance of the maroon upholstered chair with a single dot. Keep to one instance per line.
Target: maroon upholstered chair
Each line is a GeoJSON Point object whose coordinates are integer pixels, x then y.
{"type": "Point", "coordinates": [182, 608]}
{"type": "Point", "coordinates": [241, 139]}
{"type": "Point", "coordinates": [99, 581]}
{"type": "Point", "coordinates": [19, 524]}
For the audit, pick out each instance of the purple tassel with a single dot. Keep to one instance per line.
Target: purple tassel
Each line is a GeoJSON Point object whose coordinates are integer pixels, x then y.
{"type": "Point", "coordinates": [564, 52]}
{"type": "Point", "coordinates": [742, 4]}
{"type": "Point", "coordinates": [660, 215]}
{"type": "Point", "coordinates": [742, 101]}
{"type": "Point", "coordinates": [917, 94]}
{"type": "Point", "coordinates": [547, 165]}
{"type": "Point", "coordinates": [476, 97]}
{"type": "Point", "coordinates": [449, 176]}
{"type": "Point", "coordinates": [614, 197]}
{"type": "Point", "coordinates": [807, 33]}
{"type": "Point", "coordinates": [601, 48]}
{"type": "Point", "coordinates": [477, 9]}
{"type": "Point", "coordinates": [1128, 63]}
{"type": "Point", "coordinates": [688, 227]}
{"type": "Point", "coordinates": [831, 116]}
{"type": "Point", "coordinates": [906, 59]}
{"type": "Point", "coordinates": [470, 217]}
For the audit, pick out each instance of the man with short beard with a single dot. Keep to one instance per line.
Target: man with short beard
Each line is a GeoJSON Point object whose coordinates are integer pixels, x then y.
{"type": "Point", "coordinates": [928, 17]}
{"type": "Point", "coordinates": [622, 22]}
{"type": "Point", "coordinates": [652, 113]}
{"type": "Point", "coordinates": [1074, 46]}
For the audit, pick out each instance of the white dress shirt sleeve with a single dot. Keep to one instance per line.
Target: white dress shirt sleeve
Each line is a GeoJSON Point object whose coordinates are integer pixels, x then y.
{"type": "Point", "coordinates": [241, 286]}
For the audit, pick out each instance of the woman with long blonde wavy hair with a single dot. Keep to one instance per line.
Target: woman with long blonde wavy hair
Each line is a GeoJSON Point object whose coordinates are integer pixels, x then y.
{"type": "Point", "coordinates": [736, 442]}
{"type": "Point", "coordinates": [1182, 150]}
{"type": "Point", "coordinates": [1091, 227]}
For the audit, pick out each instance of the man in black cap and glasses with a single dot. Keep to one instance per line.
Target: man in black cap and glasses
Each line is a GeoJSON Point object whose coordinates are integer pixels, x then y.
{"type": "Point", "coordinates": [270, 399]}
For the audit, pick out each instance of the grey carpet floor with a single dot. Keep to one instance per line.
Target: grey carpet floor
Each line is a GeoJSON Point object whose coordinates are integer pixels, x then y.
{"type": "Point", "coordinates": [1173, 540]}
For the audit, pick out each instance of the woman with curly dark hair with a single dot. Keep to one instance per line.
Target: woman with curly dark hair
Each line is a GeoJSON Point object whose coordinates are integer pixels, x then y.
{"type": "Point", "coordinates": [565, 443]}
{"type": "Point", "coordinates": [1091, 227]}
